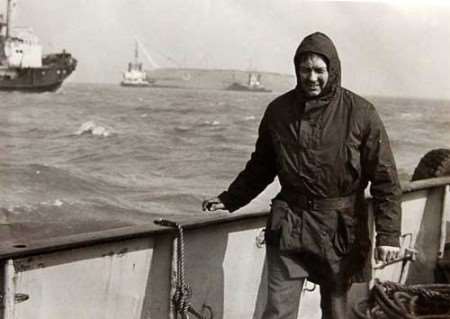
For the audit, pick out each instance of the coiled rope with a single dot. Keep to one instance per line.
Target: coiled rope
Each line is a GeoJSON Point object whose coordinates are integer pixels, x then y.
{"type": "Point", "coordinates": [390, 300]}
{"type": "Point", "coordinates": [182, 296]}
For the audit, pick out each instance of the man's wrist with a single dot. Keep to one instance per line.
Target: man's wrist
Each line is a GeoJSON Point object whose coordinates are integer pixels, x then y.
{"type": "Point", "coordinates": [387, 240]}
{"type": "Point", "coordinates": [227, 201]}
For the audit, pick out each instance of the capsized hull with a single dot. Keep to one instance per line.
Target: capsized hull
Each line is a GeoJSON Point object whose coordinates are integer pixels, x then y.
{"type": "Point", "coordinates": [126, 270]}
{"type": "Point", "coordinates": [135, 85]}
{"type": "Point", "coordinates": [240, 87]}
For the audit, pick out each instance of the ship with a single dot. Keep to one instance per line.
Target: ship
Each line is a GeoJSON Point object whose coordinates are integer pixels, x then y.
{"type": "Point", "coordinates": [23, 66]}
{"type": "Point", "coordinates": [135, 76]}
{"type": "Point", "coordinates": [254, 84]}
{"type": "Point", "coordinates": [85, 266]}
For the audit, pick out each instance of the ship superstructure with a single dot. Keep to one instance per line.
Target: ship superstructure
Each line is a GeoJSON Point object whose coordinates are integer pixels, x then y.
{"type": "Point", "coordinates": [23, 66]}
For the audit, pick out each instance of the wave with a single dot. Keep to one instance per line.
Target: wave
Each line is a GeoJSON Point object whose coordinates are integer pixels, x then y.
{"type": "Point", "coordinates": [55, 202]}
{"type": "Point", "coordinates": [174, 201]}
{"type": "Point", "coordinates": [183, 128]}
{"type": "Point", "coordinates": [210, 123]}
{"type": "Point", "coordinates": [29, 208]}
{"type": "Point", "coordinates": [249, 118]}
{"type": "Point", "coordinates": [38, 184]}
{"type": "Point", "coordinates": [92, 128]}
{"type": "Point", "coordinates": [214, 124]}
{"type": "Point", "coordinates": [411, 116]}
{"type": "Point", "coordinates": [156, 150]}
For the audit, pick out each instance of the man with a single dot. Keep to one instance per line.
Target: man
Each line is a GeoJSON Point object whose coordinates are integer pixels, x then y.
{"type": "Point", "coordinates": [325, 144]}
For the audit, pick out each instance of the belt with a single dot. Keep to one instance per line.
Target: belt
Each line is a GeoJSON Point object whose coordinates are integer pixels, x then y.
{"type": "Point", "coordinates": [319, 203]}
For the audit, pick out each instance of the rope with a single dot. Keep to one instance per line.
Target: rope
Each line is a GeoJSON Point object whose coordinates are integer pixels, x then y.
{"type": "Point", "coordinates": [183, 292]}
{"type": "Point", "coordinates": [389, 300]}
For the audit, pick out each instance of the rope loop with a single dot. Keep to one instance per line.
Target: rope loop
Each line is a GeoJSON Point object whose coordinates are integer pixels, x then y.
{"type": "Point", "coordinates": [390, 300]}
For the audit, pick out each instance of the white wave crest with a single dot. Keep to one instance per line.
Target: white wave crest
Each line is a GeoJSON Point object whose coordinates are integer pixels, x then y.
{"type": "Point", "coordinates": [90, 127]}
{"type": "Point", "coordinates": [56, 203]}
{"type": "Point", "coordinates": [211, 123]}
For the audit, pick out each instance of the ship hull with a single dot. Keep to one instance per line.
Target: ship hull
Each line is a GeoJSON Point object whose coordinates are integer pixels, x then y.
{"type": "Point", "coordinates": [127, 272]}
{"type": "Point", "coordinates": [49, 77]}
{"type": "Point", "coordinates": [215, 79]}
{"type": "Point", "coordinates": [135, 85]}
{"type": "Point", "coordinates": [245, 88]}
{"type": "Point", "coordinates": [22, 86]}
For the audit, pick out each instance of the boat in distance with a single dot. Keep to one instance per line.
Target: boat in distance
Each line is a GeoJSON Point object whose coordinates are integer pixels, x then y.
{"type": "Point", "coordinates": [130, 267]}
{"type": "Point", "coordinates": [254, 84]}
{"type": "Point", "coordinates": [23, 67]}
{"type": "Point", "coordinates": [135, 76]}
{"type": "Point", "coordinates": [214, 79]}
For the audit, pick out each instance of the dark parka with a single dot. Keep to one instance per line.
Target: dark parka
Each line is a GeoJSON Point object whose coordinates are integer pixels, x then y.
{"type": "Point", "coordinates": [326, 147]}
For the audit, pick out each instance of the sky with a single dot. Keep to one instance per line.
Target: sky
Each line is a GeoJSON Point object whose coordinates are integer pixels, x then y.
{"type": "Point", "coordinates": [393, 48]}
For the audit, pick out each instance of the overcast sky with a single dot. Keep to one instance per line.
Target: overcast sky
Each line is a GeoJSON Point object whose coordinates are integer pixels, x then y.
{"type": "Point", "coordinates": [399, 48]}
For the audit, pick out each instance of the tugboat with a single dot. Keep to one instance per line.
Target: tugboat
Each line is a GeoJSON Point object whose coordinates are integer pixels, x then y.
{"type": "Point", "coordinates": [136, 76]}
{"type": "Point", "coordinates": [23, 67]}
{"type": "Point", "coordinates": [253, 84]}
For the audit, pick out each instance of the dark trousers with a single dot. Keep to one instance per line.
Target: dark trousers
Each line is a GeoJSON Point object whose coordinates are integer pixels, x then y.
{"type": "Point", "coordinates": [284, 293]}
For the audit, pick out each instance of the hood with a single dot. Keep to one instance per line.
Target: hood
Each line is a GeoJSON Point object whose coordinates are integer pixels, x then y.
{"type": "Point", "coordinates": [321, 44]}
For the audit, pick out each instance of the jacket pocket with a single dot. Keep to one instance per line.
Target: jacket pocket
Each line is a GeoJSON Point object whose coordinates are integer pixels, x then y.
{"type": "Point", "coordinates": [283, 227]}
{"type": "Point", "coordinates": [273, 226]}
{"type": "Point", "coordinates": [344, 237]}
{"type": "Point", "coordinates": [291, 232]}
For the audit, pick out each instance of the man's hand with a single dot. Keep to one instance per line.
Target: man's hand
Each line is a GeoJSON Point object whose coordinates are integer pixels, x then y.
{"type": "Point", "coordinates": [386, 254]}
{"type": "Point", "coordinates": [212, 204]}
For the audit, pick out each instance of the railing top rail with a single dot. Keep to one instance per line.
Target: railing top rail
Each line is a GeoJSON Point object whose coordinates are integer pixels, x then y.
{"type": "Point", "coordinates": [425, 183]}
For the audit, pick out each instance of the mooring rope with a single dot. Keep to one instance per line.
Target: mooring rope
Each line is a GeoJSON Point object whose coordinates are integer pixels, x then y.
{"type": "Point", "coordinates": [390, 300]}
{"type": "Point", "coordinates": [183, 292]}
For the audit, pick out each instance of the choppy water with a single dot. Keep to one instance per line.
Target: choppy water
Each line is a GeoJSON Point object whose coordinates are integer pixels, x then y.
{"type": "Point", "coordinates": [107, 150]}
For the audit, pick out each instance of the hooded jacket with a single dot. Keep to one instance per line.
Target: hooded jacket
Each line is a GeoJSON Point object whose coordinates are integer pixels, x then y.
{"type": "Point", "coordinates": [329, 146]}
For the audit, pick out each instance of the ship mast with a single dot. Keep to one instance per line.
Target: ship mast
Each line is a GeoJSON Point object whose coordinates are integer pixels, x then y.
{"type": "Point", "coordinates": [139, 43]}
{"type": "Point", "coordinates": [136, 53]}
{"type": "Point", "coordinates": [8, 17]}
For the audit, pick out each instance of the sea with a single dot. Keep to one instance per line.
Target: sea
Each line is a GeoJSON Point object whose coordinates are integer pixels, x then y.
{"type": "Point", "coordinates": [120, 154]}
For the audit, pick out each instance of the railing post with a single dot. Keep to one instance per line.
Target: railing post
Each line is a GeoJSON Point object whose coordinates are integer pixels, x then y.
{"type": "Point", "coordinates": [445, 215]}
{"type": "Point", "coordinates": [9, 291]}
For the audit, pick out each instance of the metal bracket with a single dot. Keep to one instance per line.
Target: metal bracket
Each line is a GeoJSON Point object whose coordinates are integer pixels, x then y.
{"type": "Point", "coordinates": [261, 238]}
{"type": "Point", "coordinates": [18, 298]}
{"type": "Point", "coordinates": [409, 253]}
{"type": "Point", "coordinates": [305, 288]}
{"type": "Point", "coordinates": [206, 312]}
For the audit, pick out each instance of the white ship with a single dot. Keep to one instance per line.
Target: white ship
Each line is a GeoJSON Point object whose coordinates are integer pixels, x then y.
{"type": "Point", "coordinates": [135, 76]}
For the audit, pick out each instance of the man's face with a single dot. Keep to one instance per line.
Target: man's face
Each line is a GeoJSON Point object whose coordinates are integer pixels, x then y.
{"type": "Point", "coordinates": [313, 73]}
